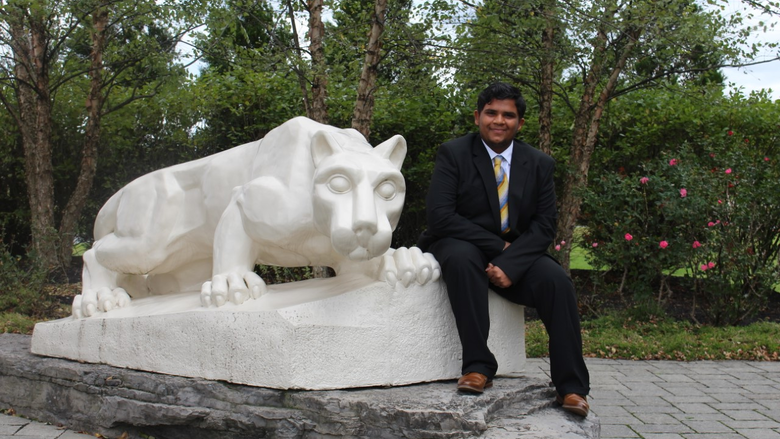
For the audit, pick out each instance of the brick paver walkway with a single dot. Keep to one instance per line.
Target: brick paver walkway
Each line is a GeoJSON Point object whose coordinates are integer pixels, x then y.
{"type": "Point", "coordinates": [676, 400]}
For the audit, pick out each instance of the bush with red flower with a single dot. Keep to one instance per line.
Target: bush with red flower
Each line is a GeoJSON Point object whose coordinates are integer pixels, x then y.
{"type": "Point", "coordinates": [676, 215]}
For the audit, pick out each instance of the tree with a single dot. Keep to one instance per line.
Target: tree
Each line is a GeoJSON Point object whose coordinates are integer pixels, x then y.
{"type": "Point", "coordinates": [610, 48]}
{"type": "Point", "coordinates": [364, 104]}
{"type": "Point", "coordinates": [117, 48]}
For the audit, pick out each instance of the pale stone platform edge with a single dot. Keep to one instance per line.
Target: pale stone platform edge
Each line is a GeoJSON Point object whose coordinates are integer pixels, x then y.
{"type": "Point", "coordinates": [372, 335]}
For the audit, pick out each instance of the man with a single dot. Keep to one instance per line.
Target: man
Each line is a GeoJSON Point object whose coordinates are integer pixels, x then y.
{"type": "Point", "coordinates": [491, 217]}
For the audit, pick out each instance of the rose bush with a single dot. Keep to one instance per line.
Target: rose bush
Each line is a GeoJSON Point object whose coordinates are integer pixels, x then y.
{"type": "Point", "coordinates": [711, 213]}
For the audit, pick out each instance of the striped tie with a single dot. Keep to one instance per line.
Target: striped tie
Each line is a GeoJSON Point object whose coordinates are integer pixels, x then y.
{"type": "Point", "coordinates": [503, 192]}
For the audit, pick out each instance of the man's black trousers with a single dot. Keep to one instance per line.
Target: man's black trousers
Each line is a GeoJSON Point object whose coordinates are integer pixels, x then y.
{"type": "Point", "coordinates": [545, 286]}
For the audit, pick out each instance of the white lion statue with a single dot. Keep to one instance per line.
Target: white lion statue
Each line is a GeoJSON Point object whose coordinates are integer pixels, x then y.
{"type": "Point", "coordinates": [305, 195]}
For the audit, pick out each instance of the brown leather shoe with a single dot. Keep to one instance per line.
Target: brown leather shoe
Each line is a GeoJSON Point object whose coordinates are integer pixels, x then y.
{"type": "Point", "coordinates": [474, 382]}
{"type": "Point", "coordinates": [574, 403]}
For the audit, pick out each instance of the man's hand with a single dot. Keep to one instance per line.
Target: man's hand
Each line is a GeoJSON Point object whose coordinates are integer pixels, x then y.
{"type": "Point", "coordinates": [506, 245]}
{"type": "Point", "coordinates": [497, 276]}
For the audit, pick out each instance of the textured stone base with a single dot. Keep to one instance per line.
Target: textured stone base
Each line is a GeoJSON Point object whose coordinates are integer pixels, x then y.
{"type": "Point", "coordinates": [362, 333]}
{"type": "Point", "coordinates": [111, 401]}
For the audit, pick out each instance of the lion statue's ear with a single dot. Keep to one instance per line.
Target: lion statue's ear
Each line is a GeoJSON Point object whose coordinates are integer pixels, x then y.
{"type": "Point", "coordinates": [393, 149]}
{"type": "Point", "coordinates": [323, 145]}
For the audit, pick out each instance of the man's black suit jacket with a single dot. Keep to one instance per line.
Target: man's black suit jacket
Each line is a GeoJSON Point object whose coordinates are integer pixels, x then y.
{"type": "Point", "coordinates": [462, 203]}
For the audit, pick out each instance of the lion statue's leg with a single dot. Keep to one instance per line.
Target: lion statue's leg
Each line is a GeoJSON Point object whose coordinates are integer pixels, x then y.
{"type": "Point", "coordinates": [235, 252]}
{"type": "Point", "coordinates": [99, 289]}
{"type": "Point", "coordinates": [141, 235]}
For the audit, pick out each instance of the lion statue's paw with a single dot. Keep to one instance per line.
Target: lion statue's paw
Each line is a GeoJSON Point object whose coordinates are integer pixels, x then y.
{"type": "Point", "coordinates": [406, 265]}
{"type": "Point", "coordinates": [90, 301]}
{"type": "Point", "coordinates": [231, 287]}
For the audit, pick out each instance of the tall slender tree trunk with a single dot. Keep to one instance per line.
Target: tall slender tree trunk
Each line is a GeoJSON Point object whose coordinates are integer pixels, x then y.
{"type": "Point", "coordinates": [319, 84]}
{"type": "Point", "coordinates": [546, 80]}
{"type": "Point", "coordinates": [34, 120]}
{"type": "Point", "coordinates": [94, 106]}
{"type": "Point", "coordinates": [297, 61]}
{"type": "Point", "coordinates": [364, 104]}
{"type": "Point", "coordinates": [586, 127]}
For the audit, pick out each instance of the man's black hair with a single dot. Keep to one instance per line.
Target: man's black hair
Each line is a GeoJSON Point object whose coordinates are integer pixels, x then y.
{"type": "Point", "coordinates": [501, 91]}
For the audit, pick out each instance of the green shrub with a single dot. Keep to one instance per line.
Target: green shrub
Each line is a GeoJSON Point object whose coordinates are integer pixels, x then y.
{"type": "Point", "coordinates": [22, 286]}
{"type": "Point", "coordinates": [711, 213]}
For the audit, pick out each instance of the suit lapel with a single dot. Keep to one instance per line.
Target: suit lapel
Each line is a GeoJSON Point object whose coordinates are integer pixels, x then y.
{"type": "Point", "coordinates": [482, 163]}
{"type": "Point", "coordinates": [518, 177]}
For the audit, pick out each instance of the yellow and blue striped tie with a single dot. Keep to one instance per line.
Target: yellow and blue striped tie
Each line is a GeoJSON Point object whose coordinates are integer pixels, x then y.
{"type": "Point", "coordinates": [503, 192]}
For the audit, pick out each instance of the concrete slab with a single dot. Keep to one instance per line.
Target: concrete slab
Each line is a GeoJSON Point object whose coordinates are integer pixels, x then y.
{"type": "Point", "coordinates": [363, 333]}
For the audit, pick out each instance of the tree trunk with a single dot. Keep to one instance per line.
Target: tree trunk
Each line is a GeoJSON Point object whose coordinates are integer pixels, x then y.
{"type": "Point", "coordinates": [364, 104]}
{"type": "Point", "coordinates": [586, 127]}
{"type": "Point", "coordinates": [297, 61]}
{"type": "Point", "coordinates": [546, 81]}
{"type": "Point", "coordinates": [29, 48]}
{"type": "Point", "coordinates": [94, 106]}
{"type": "Point", "coordinates": [319, 83]}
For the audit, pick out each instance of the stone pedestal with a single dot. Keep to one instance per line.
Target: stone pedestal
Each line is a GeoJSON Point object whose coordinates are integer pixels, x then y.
{"type": "Point", "coordinates": [362, 333]}
{"type": "Point", "coordinates": [113, 401]}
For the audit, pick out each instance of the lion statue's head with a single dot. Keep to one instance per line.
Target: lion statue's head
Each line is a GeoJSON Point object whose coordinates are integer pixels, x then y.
{"type": "Point", "coordinates": [358, 192]}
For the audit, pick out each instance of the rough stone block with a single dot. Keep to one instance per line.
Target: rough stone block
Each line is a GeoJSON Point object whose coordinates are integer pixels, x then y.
{"type": "Point", "coordinates": [117, 402]}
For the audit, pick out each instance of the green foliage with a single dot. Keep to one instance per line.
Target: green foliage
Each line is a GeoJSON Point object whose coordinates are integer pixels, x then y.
{"type": "Point", "coordinates": [22, 286]}
{"type": "Point", "coordinates": [273, 274]}
{"type": "Point", "coordinates": [618, 335]}
{"type": "Point", "coordinates": [639, 128]}
{"type": "Point", "coordinates": [15, 323]}
{"type": "Point", "coordinates": [248, 85]}
{"type": "Point", "coordinates": [714, 213]}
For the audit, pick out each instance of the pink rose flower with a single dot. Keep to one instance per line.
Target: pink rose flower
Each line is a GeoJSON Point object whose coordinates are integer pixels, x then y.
{"type": "Point", "coordinates": [766, 159]}
{"type": "Point", "coordinates": [683, 192]}
{"type": "Point", "coordinates": [731, 133]}
{"type": "Point", "coordinates": [663, 244]}
{"type": "Point", "coordinates": [720, 201]}
{"type": "Point", "coordinates": [563, 243]}
{"type": "Point", "coordinates": [696, 244]}
{"type": "Point", "coordinates": [710, 264]}
{"type": "Point", "coordinates": [703, 267]}
{"type": "Point", "coordinates": [710, 224]}
{"type": "Point", "coordinates": [595, 244]}
{"type": "Point", "coordinates": [728, 171]}
{"type": "Point", "coordinates": [672, 162]}
{"type": "Point", "coordinates": [557, 248]}
{"type": "Point", "coordinates": [644, 180]}
{"type": "Point", "coordinates": [629, 237]}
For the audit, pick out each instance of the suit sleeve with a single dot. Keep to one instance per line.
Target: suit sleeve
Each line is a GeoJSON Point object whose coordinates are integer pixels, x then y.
{"type": "Point", "coordinates": [536, 239]}
{"type": "Point", "coordinates": [442, 202]}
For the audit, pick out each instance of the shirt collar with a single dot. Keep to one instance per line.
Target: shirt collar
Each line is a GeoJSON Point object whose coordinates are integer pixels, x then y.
{"type": "Point", "coordinates": [507, 154]}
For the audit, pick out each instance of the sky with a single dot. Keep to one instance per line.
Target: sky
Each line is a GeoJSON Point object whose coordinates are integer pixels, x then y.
{"type": "Point", "coordinates": [762, 76]}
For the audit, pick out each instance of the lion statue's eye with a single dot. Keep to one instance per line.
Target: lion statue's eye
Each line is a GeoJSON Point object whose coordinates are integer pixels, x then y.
{"type": "Point", "coordinates": [339, 184]}
{"type": "Point", "coordinates": [386, 190]}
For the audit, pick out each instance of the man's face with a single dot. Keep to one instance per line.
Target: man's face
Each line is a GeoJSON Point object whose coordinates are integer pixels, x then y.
{"type": "Point", "coordinates": [498, 123]}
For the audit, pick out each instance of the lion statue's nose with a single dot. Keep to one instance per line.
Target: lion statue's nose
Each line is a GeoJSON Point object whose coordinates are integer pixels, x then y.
{"type": "Point", "coordinates": [364, 231]}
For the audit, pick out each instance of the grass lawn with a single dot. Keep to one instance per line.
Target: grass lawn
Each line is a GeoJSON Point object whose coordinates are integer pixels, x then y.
{"type": "Point", "coordinates": [618, 336]}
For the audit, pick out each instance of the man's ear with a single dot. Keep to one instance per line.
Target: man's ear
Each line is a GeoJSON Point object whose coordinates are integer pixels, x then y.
{"type": "Point", "coordinates": [476, 117]}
